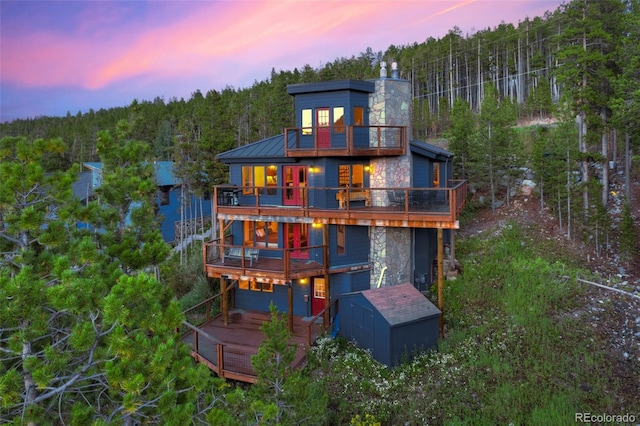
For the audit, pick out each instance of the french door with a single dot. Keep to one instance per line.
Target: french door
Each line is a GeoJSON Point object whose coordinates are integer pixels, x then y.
{"type": "Point", "coordinates": [295, 180]}
{"type": "Point", "coordinates": [297, 238]}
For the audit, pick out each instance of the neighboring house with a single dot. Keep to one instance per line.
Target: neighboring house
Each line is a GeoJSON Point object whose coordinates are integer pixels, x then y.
{"type": "Point", "coordinates": [342, 203]}
{"type": "Point", "coordinates": [168, 199]}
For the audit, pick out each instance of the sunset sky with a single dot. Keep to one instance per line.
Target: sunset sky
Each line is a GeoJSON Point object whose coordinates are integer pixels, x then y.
{"type": "Point", "coordinates": [70, 56]}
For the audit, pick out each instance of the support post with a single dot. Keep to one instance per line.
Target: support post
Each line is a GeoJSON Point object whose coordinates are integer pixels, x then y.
{"type": "Point", "coordinates": [441, 280]}
{"type": "Point", "coordinates": [290, 315]}
{"type": "Point", "coordinates": [225, 304]}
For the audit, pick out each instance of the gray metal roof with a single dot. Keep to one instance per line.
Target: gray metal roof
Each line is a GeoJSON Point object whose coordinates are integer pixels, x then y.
{"type": "Point", "coordinates": [270, 149]}
{"type": "Point", "coordinates": [430, 151]}
{"type": "Point", "coordinates": [401, 303]}
{"type": "Point", "coordinates": [163, 171]}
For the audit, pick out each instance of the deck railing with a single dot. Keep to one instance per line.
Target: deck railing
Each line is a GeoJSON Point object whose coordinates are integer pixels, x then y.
{"type": "Point", "coordinates": [283, 262]}
{"type": "Point", "coordinates": [231, 360]}
{"type": "Point", "coordinates": [341, 140]}
{"type": "Point", "coordinates": [446, 203]}
{"type": "Point", "coordinates": [322, 322]}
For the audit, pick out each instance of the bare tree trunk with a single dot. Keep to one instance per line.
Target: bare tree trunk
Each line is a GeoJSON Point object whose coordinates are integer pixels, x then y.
{"type": "Point", "coordinates": [605, 168]}
{"type": "Point", "coordinates": [627, 167]}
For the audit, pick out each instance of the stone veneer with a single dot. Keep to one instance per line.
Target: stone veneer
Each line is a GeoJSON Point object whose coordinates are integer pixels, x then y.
{"type": "Point", "coordinates": [391, 251]}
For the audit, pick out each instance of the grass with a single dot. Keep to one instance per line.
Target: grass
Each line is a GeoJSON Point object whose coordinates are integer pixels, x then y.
{"type": "Point", "coordinates": [517, 350]}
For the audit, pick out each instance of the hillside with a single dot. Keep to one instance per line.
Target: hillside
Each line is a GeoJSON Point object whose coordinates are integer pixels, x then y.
{"type": "Point", "coordinates": [614, 316]}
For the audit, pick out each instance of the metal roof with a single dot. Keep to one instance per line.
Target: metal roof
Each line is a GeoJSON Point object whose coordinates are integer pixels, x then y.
{"type": "Point", "coordinates": [430, 151]}
{"type": "Point", "coordinates": [163, 171]}
{"type": "Point", "coordinates": [401, 303]}
{"type": "Point", "coordinates": [270, 149]}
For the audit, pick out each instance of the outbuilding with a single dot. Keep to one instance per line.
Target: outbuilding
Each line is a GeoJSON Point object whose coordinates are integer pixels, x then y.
{"type": "Point", "coordinates": [393, 323]}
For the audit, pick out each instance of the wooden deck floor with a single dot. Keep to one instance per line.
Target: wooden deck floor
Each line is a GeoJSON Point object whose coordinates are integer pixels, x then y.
{"type": "Point", "coordinates": [236, 342]}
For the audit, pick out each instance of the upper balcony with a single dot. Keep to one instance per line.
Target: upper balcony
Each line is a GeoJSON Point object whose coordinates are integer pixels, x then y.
{"type": "Point", "coordinates": [343, 141]}
{"type": "Point", "coordinates": [397, 207]}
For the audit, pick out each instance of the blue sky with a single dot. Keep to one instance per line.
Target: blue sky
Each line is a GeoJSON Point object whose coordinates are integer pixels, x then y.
{"type": "Point", "coordinates": [72, 56]}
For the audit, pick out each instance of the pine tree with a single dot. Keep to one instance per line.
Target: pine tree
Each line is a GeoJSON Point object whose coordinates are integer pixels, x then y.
{"type": "Point", "coordinates": [81, 341]}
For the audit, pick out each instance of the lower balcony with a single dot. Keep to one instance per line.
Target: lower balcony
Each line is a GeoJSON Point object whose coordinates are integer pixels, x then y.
{"type": "Point", "coordinates": [265, 264]}
{"type": "Point", "coordinates": [225, 341]}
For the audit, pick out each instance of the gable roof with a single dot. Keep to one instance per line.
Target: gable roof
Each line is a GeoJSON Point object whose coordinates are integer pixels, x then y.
{"type": "Point", "coordinates": [270, 149]}
{"type": "Point", "coordinates": [400, 303]}
{"type": "Point", "coordinates": [430, 151]}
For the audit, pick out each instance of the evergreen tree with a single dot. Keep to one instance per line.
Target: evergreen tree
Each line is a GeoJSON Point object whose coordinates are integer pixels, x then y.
{"type": "Point", "coordinates": [461, 135]}
{"type": "Point", "coordinates": [81, 342]}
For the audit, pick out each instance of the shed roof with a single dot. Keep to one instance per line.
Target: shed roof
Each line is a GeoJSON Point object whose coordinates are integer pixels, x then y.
{"type": "Point", "coordinates": [401, 303]}
{"type": "Point", "coordinates": [269, 149]}
{"type": "Point", "coordinates": [330, 86]}
{"type": "Point", "coordinates": [430, 151]}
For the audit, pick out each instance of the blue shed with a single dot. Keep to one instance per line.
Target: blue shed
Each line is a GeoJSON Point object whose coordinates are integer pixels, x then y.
{"type": "Point", "coordinates": [393, 323]}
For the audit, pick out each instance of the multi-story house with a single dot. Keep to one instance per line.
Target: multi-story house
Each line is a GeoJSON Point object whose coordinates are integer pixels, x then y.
{"type": "Point", "coordinates": [342, 203]}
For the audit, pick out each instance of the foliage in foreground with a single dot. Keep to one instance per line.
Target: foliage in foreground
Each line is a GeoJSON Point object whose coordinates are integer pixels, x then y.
{"type": "Point", "coordinates": [517, 350]}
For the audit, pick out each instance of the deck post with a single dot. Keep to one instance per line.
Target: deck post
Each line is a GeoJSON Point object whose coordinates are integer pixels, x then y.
{"type": "Point", "coordinates": [327, 288]}
{"type": "Point", "coordinates": [290, 314]}
{"type": "Point", "coordinates": [225, 304]}
{"type": "Point", "coordinates": [440, 280]}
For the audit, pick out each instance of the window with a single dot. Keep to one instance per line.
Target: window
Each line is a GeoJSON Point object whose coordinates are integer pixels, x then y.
{"type": "Point", "coordinates": [255, 286]}
{"type": "Point", "coordinates": [351, 175]}
{"type": "Point", "coordinates": [340, 239]}
{"type": "Point", "coordinates": [256, 178]}
{"type": "Point", "coordinates": [247, 180]}
{"type": "Point", "coordinates": [266, 234]}
{"type": "Point", "coordinates": [307, 121]}
{"type": "Point", "coordinates": [338, 119]}
{"type": "Point", "coordinates": [319, 288]}
{"type": "Point", "coordinates": [164, 195]}
{"type": "Point", "coordinates": [272, 180]}
{"type": "Point", "coordinates": [436, 174]}
{"type": "Point", "coordinates": [358, 116]}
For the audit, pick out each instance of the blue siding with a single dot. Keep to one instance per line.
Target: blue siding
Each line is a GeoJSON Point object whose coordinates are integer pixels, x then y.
{"type": "Point", "coordinates": [421, 170]}
{"type": "Point", "coordinates": [170, 213]}
{"type": "Point", "coordinates": [357, 245]}
{"type": "Point", "coordinates": [260, 300]}
{"type": "Point", "coordinates": [425, 254]}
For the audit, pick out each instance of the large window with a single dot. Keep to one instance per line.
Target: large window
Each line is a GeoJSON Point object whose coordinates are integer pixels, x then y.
{"type": "Point", "coordinates": [257, 178]}
{"type": "Point", "coordinates": [358, 116]}
{"type": "Point", "coordinates": [436, 174]}
{"type": "Point", "coordinates": [307, 121]}
{"type": "Point", "coordinates": [338, 119]}
{"type": "Point", "coordinates": [351, 175]}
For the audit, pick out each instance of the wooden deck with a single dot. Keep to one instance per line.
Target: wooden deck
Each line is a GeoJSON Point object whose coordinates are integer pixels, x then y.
{"type": "Point", "coordinates": [227, 349]}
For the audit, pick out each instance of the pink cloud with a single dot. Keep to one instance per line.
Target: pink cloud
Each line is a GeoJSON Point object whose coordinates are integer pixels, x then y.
{"type": "Point", "coordinates": [106, 45]}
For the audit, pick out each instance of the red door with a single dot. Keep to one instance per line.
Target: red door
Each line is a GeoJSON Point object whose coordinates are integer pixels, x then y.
{"type": "Point", "coordinates": [318, 295]}
{"type": "Point", "coordinates": [297, 238]}
{"type": "Point", "coordinates": [324, 129]}
{"type": "Point", "coordinates": [295, 180]}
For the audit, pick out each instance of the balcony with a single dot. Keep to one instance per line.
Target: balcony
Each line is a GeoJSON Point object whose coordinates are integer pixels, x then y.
{"type": "Point", "coordinates": [344, 141]}
{"type": "Point", "coordinates": [398, 207]}
{"type": "Point", "coordinates": [263, 264]}
{"type": "Point", "coordinates": [224, 338]}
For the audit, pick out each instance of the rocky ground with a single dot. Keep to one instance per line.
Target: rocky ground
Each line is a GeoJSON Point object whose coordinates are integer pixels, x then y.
{"type": "Point", "coordinates": [614, 315]}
